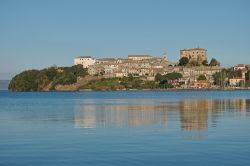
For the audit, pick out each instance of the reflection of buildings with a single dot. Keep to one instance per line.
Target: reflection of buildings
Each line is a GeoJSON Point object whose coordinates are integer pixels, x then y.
{"type": "Point", "coordinates": [193, 114]}
{"type": "Point", "coordinates": [118, 115]}
{"type": "Point", "coordinates": [89, 120]}
{"type": "Point", "coordinates": [233, 105]}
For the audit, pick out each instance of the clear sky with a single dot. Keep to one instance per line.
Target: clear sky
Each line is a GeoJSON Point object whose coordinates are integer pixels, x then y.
{"type": "Point", "coordinates": [42, 33]}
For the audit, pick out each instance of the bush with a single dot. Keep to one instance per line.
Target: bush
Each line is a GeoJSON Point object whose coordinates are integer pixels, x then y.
{"type": "Point", "coordinates": [183, 61]}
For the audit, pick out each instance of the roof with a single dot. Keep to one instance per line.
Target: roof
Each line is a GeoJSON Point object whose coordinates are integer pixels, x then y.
{"type": "Point", "coordinates": [107, 59]}
{"type": "Point", "coordinates": [84, 57]}
{"type": "Point", "coordinates": [192, 49]}
{"type": "Point", "coordinates": [240, 65]}
{"type": "Point", "coordinates": [139, 56]}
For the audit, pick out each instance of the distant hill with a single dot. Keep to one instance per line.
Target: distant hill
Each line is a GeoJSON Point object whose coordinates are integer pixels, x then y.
{"type": "Point", "coordinates": [4, 84]}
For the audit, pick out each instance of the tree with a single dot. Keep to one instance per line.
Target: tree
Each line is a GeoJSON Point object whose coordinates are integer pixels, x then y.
{"type": "Point", "coordinates": [201, 77]}
{"type": "Point", "coordinates": [205, 63]}
{"type": "Point", "coordinates": [214, 62]}
{"type": "Point", "coordinates": [194, 63]}
{"type": "Point", "coordinates": [173, 76]}
{"type": "Point", "coordinates": [183, 61]}
{"type": "Point", "coordinates": [217, 78]}
{"type": "Point", "coordinates": [78, 70]}
{"type": "Point", "coordinates": [158, 77]}
{"type": "Point", "coordinates": [247, 76]}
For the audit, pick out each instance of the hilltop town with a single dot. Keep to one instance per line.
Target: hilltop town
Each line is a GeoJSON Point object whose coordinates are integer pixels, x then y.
{"type": "Point", "coordinates": [193, 68]}
{"type": "Point", "coordinates": [192, 71]}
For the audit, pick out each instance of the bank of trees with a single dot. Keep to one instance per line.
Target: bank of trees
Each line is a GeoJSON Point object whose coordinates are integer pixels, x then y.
{"type": "Point", "coordinates": [46, 79]}
{"type": "Point", "coordinates": [169, 80]}
{"type": "Point", "coordinates": [184, 61]}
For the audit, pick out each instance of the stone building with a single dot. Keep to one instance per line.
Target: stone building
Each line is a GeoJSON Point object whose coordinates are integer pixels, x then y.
{"type": "Point", "coordinates": [85, 61]}
{"type": "Point", "coordinates": [194, 54]}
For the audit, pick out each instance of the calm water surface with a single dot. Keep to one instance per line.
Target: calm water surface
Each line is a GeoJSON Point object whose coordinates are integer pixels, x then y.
{"type": "Point", "coordinates": [125, 128]}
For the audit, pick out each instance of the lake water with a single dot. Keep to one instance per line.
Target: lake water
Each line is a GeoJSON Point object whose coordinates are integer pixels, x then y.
{"type": "Point", "coordinates": [125, 128]}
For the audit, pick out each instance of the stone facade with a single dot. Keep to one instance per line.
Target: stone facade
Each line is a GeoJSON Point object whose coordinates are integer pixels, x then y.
{"type": "Point", "coordinates": [194, 55]}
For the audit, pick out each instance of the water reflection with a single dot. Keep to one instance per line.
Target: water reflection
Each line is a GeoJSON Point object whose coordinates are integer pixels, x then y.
{"type": "Point", "coordinates": [193, 115]}
{"type": "Point", "coordinates": [118, 113]}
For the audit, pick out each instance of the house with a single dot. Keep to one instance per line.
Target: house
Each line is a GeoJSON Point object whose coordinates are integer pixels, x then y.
{"type": "Point", "coordinates": [237, 81]}
{"type": "Point", "coordinates": [85, 61]}
{"type": "Point", "coordinates": [202, 84]}
{"type": "Point", "coordinates": [239, 67]}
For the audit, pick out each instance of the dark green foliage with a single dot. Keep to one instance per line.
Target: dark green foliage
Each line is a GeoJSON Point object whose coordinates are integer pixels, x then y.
{"type": "Point", "coordinates": [205, 63]}
{"type": "Point", "coordinates": [25, 81]}
{"type": "Point", "coordinates": [39, 80]}
{"type": "Point", "coordinates": [183, 61]}
{"type": "Point", "coordinates": [169, 76]}
{"type": "Point", "coordinates": [173, 76]}
{"type": "Point", "coordinates": [247, 76]}
{"type": "Point", "coordinates": [201, 77]}
{"type": "Point", "coordinates": [214, 62]}
{"type": "Point", "coordinates": [63, 79]}
{"type": "Point", "coordinates": [165, 81]}
{"type": "Point", "coordinates": [220, 77]}
{"type": "Point", "coordinates": [120, 83]}
{"type": "Point", "coordinates": [158, 77]}
{"type": "Point", "coordinates": [194, 63]}
{"type": "Point", "coordinates": [51, 72]}
{"type": "Point", "coordinates": [78, 71]}
{"type": "Point", "coordinates": [217, 78]}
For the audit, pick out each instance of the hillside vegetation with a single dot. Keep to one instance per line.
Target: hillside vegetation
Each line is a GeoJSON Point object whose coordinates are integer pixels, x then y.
{"type": "Point", "coordinates": [76, 78]}
{"type": "Point", "coordinates": [46, 79]}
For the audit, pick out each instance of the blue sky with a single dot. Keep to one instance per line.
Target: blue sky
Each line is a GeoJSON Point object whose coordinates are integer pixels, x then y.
{"type": "Point", "coordinates": [42, 33]}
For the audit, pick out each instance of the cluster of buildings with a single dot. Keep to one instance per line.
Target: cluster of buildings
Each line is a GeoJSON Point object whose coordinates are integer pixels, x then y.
{"type": "Point", "coordinates": [241, 80]}
{"type": "Point", "coordinates": [146, 67]}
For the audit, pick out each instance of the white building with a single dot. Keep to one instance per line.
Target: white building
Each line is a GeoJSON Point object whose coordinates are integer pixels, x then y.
{"type": "Point", "coordinates": [236, 81]}
{"type": "Point", "coordinates": [85, 61]}
{"type": "Point", "coordinates": [239, 67]}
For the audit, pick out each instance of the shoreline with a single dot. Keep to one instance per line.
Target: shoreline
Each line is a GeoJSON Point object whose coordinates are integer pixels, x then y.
{"type": "Point", "coordinates": [142, 90]}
